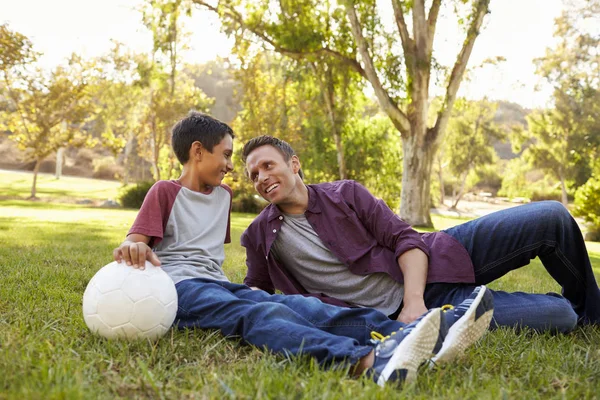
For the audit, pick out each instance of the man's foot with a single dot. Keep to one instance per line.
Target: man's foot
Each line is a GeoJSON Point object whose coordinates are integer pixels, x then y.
{"type": "Point", "coordinates": [463, 325]}
{"type": "Point", "coordinates": [399, 355]}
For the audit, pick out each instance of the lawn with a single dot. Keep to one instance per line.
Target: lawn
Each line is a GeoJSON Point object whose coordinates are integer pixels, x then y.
{"type": "Point", "coordinates": [66, 189]}
{"type": "Point", "coordinates": [49, 252]}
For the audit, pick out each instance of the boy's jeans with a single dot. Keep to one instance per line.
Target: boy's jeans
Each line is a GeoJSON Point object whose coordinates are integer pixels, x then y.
{"type": "Point", "coordinates": [291, 324]}
{"type": "Point", "coordinates": [506, 240]}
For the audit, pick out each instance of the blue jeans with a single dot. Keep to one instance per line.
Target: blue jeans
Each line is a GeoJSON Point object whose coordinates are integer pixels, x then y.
{"type": "Point", "coordinates": [289, 324]}
{"type": "Point", "coordinates": [506, 240]}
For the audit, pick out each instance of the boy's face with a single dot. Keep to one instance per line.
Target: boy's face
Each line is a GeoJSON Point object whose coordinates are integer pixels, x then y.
{"type": "Point", "coordinates": [213, 166]}
{"type": "Point", "coordinates": [272, 176]}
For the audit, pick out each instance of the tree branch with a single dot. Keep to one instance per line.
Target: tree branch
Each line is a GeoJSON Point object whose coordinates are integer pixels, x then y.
{"type": "Point", "coordinates": [420, 29]}
{"type": "Point", "coordinates": [434, 11]}
{"type": "Point", "coordinates": [399, 119]}
{"type": "Point", "coordinates": [480, 10]}
{"type": "Point", "coordinates": [233, 15]}
{"type": "Point", "coordinates": [408, 45]}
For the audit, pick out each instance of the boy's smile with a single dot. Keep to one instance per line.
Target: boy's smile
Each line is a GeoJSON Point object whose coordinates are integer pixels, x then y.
{"type": "Point", "coordinates": [213, 166]}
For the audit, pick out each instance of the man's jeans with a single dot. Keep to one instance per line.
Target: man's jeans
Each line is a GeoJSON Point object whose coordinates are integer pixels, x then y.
{"type": "Point", "coordinates": [291, 324]}
{"type": "Point", "coordinates": [506, 240]}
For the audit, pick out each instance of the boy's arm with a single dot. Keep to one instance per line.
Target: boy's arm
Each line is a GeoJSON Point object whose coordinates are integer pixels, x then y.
{"type": "Point", "coordinates": [135, 251]}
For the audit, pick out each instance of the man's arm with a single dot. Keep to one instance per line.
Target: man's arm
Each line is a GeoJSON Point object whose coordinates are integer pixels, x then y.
{"type": "Point", "coordinates": [411, 252]}
{"type": "Point", "coordinates": [257, 274]}
{"type": "Point", "coordinates": [414, 266]}
{"type": "Point", "coordinates": [135, 251]}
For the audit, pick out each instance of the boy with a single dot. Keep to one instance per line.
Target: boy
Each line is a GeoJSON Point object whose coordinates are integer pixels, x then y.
{"type": "Point", "coordinates": [186, 222]}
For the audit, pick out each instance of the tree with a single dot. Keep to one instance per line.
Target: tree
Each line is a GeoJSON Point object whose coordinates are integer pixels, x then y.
{"type": "Point", "coordinates": [170, 94]}
{"type": "Point", "coordinates": [566, 138]}
{"type": "Point", "coordinates": [48, 111]}
{"type": "Point", "coordinates": [118, 96]}
{"type": "Point", "coordinates": [352, 33]}
{"type": "Point", "coordinates": [468, 142]}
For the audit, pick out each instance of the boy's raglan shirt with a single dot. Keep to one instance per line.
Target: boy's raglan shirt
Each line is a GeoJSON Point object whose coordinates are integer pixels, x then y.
{"type": "Point", "coordinates": [187, 229]}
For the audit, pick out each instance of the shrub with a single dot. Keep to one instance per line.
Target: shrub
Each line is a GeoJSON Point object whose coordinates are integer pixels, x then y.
{"type": "Point", "coordinates": [248, 204]}
{"type": "Point", "coordinates": [133, 196]}
{"type": "Point", "coordinates": [107, 168]}
{"type": "Point", "coordinates": [587, 202]}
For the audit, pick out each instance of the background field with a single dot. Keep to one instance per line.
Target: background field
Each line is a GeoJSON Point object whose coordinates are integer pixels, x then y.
{"type": "Point", "coordinates": [49, 251]}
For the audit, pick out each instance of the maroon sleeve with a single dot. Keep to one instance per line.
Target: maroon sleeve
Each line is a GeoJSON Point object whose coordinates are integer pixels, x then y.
{"type": "Point", "coordinates": [228, 232]}
{"type": "Point", "coordinates": [387, 227]}
{"type": "Point", "coordinates": [155, 211]}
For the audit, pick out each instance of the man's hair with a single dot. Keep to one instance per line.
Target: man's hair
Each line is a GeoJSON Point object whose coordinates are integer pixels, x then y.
{"type": "Point", "coordinates": [197, 127]}
{"type": "Point", "coordinates": [265, 140]}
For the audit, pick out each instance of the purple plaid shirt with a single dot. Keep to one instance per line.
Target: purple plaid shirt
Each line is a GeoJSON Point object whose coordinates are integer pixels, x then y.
{"type": "Point", "coordinates": [361, 231]}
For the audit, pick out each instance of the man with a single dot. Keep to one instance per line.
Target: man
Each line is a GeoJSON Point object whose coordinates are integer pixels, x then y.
{"type": "Point", "coordinates": [337, 242]}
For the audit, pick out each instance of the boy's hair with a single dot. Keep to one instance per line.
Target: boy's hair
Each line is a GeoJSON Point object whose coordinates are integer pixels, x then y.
{"type": "Point", "coordinates": [265, 140]}
{"type": "Point", "coordinates": [197, 127]}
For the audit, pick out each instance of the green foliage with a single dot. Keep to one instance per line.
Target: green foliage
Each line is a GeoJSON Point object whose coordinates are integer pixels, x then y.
{"type": "Point", "coordinates": [467, 146]}
{"type": "Point", "coordinates": [133, 196]}
{"type": "Point", "coordinates": [514, 181]}
{"type": "Point", "coordinates": [374, 153]}
{"type": "Point", "coordinates": [587, 200]}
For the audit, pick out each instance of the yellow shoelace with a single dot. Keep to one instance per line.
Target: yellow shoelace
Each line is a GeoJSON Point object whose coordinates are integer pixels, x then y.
{"type": "Point", "coordinates": [378, 336]}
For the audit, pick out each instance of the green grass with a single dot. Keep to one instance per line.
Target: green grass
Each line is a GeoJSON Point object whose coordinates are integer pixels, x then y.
{"type": "Point", "coordinates": [18, 185]}
{"type": "Point", "coordinates": [48, 253]}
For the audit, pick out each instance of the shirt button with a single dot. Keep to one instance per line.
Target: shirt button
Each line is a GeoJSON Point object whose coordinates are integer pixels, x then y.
{"type": "Point", "coordinates": [281, 217]}
{"type": "Point", "coordinates": [274, 230]}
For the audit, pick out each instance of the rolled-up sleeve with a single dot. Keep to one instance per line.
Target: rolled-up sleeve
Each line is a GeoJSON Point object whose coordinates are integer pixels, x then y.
{"type": "Point", "coordinates": [387, 227]}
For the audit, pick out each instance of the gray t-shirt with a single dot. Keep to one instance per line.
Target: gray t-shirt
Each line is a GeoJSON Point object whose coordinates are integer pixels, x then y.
{"type": "Point", "coordinates": [316, 268]}
{"type": "Point", "coordinates": [187, 229]}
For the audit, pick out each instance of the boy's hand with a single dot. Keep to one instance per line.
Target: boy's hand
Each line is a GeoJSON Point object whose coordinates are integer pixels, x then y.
{"type": "Point", "coordinates": [135, 254]}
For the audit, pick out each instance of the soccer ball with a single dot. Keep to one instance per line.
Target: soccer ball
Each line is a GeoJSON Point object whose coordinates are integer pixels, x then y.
{"type": "Point", "coordinates": [123, 302]}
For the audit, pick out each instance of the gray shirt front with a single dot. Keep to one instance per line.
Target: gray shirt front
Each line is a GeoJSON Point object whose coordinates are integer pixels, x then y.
{"type": "Point", "coordinates": [187, 229]}
{"type": "Point", "coordinates": [316, 268]}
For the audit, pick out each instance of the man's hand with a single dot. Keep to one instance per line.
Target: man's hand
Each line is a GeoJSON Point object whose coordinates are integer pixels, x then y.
{"type": "Point", "coordinates": [411, 311]}
{"type": "Point", "coordinates": [135, 254]}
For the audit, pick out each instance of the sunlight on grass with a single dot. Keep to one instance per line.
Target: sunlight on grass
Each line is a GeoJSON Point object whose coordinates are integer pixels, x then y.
{"type": "Point", "coordinates": [18, 184]}
{"type": "Point", "coordinates": [50, 251]}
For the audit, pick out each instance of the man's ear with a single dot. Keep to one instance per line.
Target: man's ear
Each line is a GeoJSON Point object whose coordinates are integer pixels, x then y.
{"type": "Point", "coordinates": [196, 151]}
{"type": "Point", "coordinates": [295, 164]}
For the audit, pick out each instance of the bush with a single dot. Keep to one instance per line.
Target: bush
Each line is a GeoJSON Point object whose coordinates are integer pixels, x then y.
{"type": "Point", "coordinates": [248, 204]}
{"type": "Point", "coordinates": [587, 202]}
{"type": "Point", "coordinates": [133, 196]}
{"type": "Point", "coordinates": [107, 168]}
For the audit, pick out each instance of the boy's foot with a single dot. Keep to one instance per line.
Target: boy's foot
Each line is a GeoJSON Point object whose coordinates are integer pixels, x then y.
{"type": "Point", "coordinates": [464, 324]}
{"type": "Point", "coordinates": [399, 355]}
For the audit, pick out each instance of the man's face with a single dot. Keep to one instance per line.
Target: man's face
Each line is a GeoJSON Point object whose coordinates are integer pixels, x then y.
{"type": "Point", "coordinates": [215, 165]}
{"type": "Point", "coordinates": [273, 177]}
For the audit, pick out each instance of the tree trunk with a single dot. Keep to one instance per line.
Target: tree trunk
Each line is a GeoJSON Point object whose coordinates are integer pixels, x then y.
{"type": "Point", "coordinates": [461, 191]}
{"type": "Point", "coordinates": [441, 178]}
{"type": "Point", "coordinates": [36, 169]}
{"type": "Point", "coordinates": [416, 181]}
{"type": "Point", "coordinates": [563, 187]}
{"type": "Point", "coordinates": [60, 157]}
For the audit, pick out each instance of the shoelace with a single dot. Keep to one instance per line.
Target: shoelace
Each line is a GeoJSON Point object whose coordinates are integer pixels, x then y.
{"type": "Point", "coordinates": [378, 337]}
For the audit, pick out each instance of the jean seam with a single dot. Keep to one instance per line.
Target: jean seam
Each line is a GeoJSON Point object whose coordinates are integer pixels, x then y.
{"type": "Point", "coordinates": [570, 267]}
{"type": "Point", "coordinates": [507, 257]}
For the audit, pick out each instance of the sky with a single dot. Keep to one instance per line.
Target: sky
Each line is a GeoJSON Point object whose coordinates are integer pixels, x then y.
{"type": "Point", "coordinates": [519, 30]}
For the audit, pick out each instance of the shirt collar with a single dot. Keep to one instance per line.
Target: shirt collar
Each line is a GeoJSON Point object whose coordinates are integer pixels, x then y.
{"type": "Point", "coordinates": [313, 205]}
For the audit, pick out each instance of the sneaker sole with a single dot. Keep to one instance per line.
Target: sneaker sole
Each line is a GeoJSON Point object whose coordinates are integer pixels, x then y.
{"type": "Point", "coordinates": [468, 329]}
{"type": "Point", "coordinates": [414, 349]}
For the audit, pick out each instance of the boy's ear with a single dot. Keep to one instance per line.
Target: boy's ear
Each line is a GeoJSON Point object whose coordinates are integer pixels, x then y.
{"type": "Point", "coordinates": [196, 151]}
{"type": "Point", "coordinates": [295, 164]}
